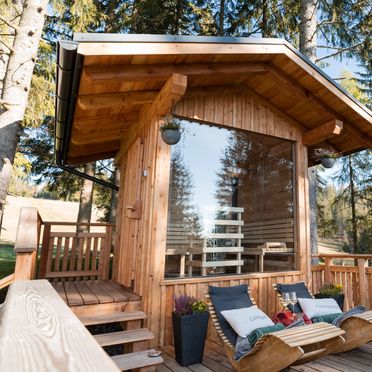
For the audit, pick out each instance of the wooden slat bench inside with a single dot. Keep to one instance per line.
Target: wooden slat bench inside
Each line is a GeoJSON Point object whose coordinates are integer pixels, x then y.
{"type": "Point", "coordinates": [270, 237]}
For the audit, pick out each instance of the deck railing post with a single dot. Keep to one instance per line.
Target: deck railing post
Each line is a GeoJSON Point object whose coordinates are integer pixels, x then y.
{"type": "Point", "coordinates": [327, 270]}
{"type": "Point", "coordinates": [44, 251]}
{"type": "Point", "coordinates": [363, 289]}
{"type": "Point", "coordinates": [26, 243]}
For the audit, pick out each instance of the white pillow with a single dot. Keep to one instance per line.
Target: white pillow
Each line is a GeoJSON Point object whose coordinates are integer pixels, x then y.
{"type": "Point", "coordinates": [246, 320]}
{"type": "Point", "coordinates": [316, 307]}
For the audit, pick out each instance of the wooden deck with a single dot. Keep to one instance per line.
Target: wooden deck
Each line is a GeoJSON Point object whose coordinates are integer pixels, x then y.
{"type": "Point", "coordinates": [93, 292]}
{"type": "Point", "coordinates": [359, 359]}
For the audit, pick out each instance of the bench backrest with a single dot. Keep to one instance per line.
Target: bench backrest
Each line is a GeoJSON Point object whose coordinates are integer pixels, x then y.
{"type": "Point", "coordinates": [258, 233]}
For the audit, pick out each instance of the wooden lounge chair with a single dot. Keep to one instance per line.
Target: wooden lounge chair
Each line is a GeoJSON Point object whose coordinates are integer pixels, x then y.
{"type": "Point", "coordinates": [274, 351]}
{"type": "Point", "coordinates": [358, 328]}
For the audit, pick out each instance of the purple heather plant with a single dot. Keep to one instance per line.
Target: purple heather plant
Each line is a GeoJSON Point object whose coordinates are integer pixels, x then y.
{"type": "Point", "coordinates": [183, 304]}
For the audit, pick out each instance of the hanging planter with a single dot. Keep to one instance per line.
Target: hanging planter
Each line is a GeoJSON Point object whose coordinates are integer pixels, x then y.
{"type": "Point", "coordinates": [326, 156]}
{"type": "Point", "coordinates": [171, 131]}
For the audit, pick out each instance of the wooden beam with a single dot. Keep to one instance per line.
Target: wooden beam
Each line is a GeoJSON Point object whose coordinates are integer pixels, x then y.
{"type": "Point", "coordinates": [98, 135]}
{"type": "Point", "coordinates": [105, 121]}
{"type": "Point", "coordinates": [132, 73]}
{"type": "Point", "coordinates": [98, 128]}
{"type": "Point", "coordinates": [171, 92]}
{"type": "Point", "coordinates": [322, 133]}
{"type": "Point", "coordinates": [112, 100]}
{"type": "Point", "coordinates": [83, 150]}
{"type": "Point", "coordinates": [76, 160]}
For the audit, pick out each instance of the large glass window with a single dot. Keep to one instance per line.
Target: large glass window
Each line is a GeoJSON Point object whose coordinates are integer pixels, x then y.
{"type": "Point", "coordinates": [231, 203]}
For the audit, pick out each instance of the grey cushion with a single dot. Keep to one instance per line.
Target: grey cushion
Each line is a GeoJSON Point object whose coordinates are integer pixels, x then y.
{"type": "Point", "coordinates": [229, 298]}
{"type": "Point", "coordinates": [301, 292]}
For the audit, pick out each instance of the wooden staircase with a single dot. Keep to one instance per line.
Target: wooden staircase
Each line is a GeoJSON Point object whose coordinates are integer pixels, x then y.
{"type": "Point", "coordinates": [134, 339]}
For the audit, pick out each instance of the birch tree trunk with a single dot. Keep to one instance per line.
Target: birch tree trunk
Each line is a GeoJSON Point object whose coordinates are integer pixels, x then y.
{"type": "Point", "coordinates": [308, 45]}
{"type": "Point", "coordinates": [86, 197]}
{"type": "Point", "coordinates": [16, 86]}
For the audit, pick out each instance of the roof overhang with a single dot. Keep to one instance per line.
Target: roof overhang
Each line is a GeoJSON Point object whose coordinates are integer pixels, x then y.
{"type": "Point", "coordinates": [104, 80]}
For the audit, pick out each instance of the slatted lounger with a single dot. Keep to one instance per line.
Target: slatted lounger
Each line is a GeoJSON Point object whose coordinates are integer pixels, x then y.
{"type": "Point", "coordinates": [273, 351]}
{"type": "Point", "coordinates": [358, 328]}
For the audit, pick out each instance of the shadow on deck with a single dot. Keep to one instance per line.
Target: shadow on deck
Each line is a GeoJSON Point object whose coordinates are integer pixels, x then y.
{"type": "Point", "coordinates": [356, 360]}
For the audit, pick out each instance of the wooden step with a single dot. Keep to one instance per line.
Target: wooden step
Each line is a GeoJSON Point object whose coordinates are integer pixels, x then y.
{"type": "Point", "coordinates": [121, 316]}
{"type": "Point", "coordinates": [124, 337]}
{"type": "Point", "coordinates": [136, 360]}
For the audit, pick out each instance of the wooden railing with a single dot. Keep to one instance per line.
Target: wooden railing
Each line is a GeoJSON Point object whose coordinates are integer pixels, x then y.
{"type": "Point", "coordinates": [40, 333]}
{"type": "Point", "coordinates": [351, 271]}
{"type": "Point", "coordinates": [64, 255]}
{"type": "Point", "coordinates": [75, 255]}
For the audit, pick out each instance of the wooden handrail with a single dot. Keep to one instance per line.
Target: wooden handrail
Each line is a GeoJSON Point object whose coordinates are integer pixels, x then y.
{"type": "Point", "coordinates": [358, 285]}
{"type": "Point", "coordinates": [343, 255]}
{"type": "Point", "coordinates": [59, 223]}
{"type": "Point", "coordinates": [4, 282]}
{"type": "Point", "coordinates": [40, 333]}
{"type": "Point", "coordinates": [26, 244]}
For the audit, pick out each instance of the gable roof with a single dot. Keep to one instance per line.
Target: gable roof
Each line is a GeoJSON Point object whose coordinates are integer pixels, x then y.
{"type": "Point", "coordinates": [103, 81]}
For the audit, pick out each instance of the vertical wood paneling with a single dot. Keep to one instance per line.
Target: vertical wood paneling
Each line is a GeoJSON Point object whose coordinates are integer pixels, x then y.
{"type": "Point", "coordinates": [260, 286]}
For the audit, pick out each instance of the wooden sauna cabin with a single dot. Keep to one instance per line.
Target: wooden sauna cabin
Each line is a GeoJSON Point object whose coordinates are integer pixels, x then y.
{"type": "Point", "coordinates": [229, 203]}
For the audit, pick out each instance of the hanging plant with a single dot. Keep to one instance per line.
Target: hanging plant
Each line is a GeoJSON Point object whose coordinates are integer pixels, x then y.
{"type": "Point", "coordinates": [327, 156]}
{"type": "Point", "coordinates": [171, 130]}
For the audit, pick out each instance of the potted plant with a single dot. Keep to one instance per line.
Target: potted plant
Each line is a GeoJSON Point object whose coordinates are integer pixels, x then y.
{"type": "Point", "coordinates": [332, 291]}
{"type": "Point", "coordinates": [190, 324]}
{"type": "Point", "coordinates": [171, 130]}
{"type": "Point", "coordinates": [327, 156]}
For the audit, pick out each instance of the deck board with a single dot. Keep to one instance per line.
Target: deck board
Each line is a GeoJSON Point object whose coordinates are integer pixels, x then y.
{"type": "Point", "coordinates": [357, 360]}
{"type": "Point", "coordinates": [92, 292]}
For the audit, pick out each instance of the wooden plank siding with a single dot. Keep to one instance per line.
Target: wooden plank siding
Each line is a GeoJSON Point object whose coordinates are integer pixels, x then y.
{"type": "Point", "coordinates": [260, 286]}
{"type": "Point", "coordinates": [141, 242]}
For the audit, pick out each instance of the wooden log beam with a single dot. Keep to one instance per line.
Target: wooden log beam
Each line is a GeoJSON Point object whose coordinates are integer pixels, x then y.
{"type": "Point", "coordinates": [82, 159]}
{"type": "Point", "coordinates": [112, 100]}
{"type": "Point", "coordinates": [88, 149]}
{"type": "Point", "coordinates": [106, 121]}
{"type": "Point", "coordinates": [322, 133]}
{"type": "Point", "coordinates": [132, 73]}
{"type": "Point", "coordinates": [100, 134]}
{"type": "Point", "coordinates": [171, 92]}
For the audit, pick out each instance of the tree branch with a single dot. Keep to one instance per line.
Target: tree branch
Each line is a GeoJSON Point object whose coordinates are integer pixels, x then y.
{"type": "Point", "coordinates": [340, 51]}
{"type": "Point", "coordinates": [15, 28]}
{"type": "Point", "coordinates": [7, 46]}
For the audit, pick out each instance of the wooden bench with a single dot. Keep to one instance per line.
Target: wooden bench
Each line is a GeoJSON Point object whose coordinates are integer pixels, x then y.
{"type": "Point", "coordinates": [270, 237]}
{"type": "Point", "coordinates": [40, 333]}
{"type": "Point", "coordinates": [179, 240]}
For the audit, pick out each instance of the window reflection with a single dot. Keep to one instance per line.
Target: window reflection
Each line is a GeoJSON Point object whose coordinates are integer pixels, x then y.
{"type": "Point", "coordinates": [230, 203]}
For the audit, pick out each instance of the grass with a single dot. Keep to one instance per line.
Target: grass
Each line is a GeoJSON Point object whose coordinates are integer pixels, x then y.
{"type": "Point", "coordinates": [7, 258]}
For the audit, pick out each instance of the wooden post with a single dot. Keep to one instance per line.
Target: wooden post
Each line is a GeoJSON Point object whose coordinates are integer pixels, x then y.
{"type": "Point", "coordinates": [44, 251]}
{"type": "Point", "coordinates": [26, 243]}
{"type": "Point", "coordinates": [363, 289]}
{"type": "Point", "coordinates": [327, 270]}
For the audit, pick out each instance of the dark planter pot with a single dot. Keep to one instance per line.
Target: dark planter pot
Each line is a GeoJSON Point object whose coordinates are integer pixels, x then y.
{"type": "Point", "coordinates": [189, 332]}
{"type": "Point", "coordinates": [339, 299]}
{"type": "Point", "coordinates": [327, 162]}
{"type": "Point", "coordinates": [171, 136]}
